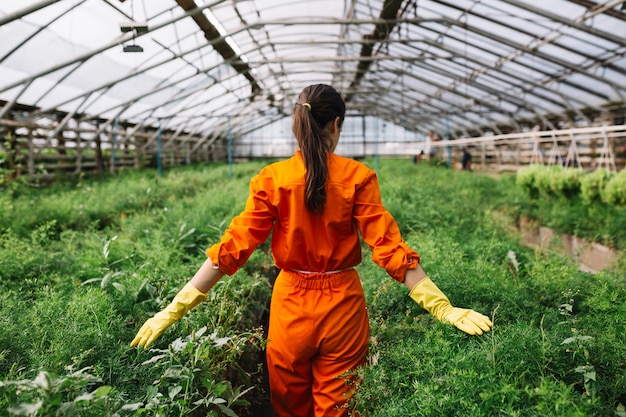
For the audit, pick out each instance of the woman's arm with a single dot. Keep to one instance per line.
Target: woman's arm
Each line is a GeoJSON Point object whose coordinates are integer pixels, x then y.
{"type": "Point", "coordinates": [413, 276]}
{"type": "Point", "coordinates": [206, 277]}
{"type": "Point", "coordinates": [429, 296]}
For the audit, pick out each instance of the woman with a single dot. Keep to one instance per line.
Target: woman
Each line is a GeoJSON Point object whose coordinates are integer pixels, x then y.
{"type": "Point", "coordinates": [316, 203]}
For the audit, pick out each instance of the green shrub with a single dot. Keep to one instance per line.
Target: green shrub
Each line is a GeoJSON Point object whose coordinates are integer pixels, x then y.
{"type": "Point", "coordinates": [550, 181]}
{"type": "Point", "coordinates": [192, 371]}
{"type": "Point", "coordinates": [564, 181]}
{"type": "Point", "coordinates": [78, 393]}
{"type": "Point", "coordinates": [615, 190]}
{"type": "Point", "coordinates": [526, 179]}
{"type": "Point", "coordinates": [593, 184]}
{"type": "Point", "coordinates": [84, 264]}
{"type": "Point", "coordinates": [543, 180]}
{"type": "Point", "coordinates": [593, 213]}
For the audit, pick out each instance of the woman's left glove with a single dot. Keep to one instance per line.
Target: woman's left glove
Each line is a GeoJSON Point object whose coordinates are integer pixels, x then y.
{"type": "Point", "coordinates": [430, 297]}
{"type": "Point", "coordinates": [185, 300]}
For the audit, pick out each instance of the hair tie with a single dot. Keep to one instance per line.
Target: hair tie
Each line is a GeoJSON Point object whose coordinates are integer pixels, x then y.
{"type": "Point", "coordinates": [307, 105]}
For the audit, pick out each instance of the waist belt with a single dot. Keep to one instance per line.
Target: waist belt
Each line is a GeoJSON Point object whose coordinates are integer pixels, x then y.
{"type": "Point", "coordinates": [323, 272]}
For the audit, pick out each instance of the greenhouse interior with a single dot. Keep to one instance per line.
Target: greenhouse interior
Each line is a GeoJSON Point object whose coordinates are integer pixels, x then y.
{"type": "Point", "coordinates": [133, 132]}
{"type": "Point", "coordinates": [99, 85]}
{"type": "Point", "coordinates": [455, 246]}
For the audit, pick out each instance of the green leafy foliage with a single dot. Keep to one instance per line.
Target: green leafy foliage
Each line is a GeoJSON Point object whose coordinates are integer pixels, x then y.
{"type": "Point", "coordinates": [615, 189]}
{"type": "Point", "coordinates": [189, 368]}
{"type": "Point", "coordinates": [523, 367]}
{"type": "Point", "coordinates": [549, 181]}
{"type": "Point", "coordinates": [526, 179]}
{"type": "Point", "coordinates": [593, 184]}
{"type": "Point", "coordinates": [587, 205]}
{"type": "Point", "coordinates": [556, 181]}
{"type": "Point", "coordinates": [565, 181]}
{"type": "Point", "coordinates": [85, 263]}
{"type": "Point", "coordinates": [77, 392]}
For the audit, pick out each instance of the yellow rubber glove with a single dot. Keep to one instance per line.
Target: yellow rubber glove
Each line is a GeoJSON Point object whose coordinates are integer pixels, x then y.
{"type": "Point", "coordinates": [185, 300]}
{"type": "Point", "coordinates": [429, 296]}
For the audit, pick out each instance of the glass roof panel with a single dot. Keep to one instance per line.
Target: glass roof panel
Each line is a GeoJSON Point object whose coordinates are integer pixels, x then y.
{"type": "Point", "coordinates": [479, 62]}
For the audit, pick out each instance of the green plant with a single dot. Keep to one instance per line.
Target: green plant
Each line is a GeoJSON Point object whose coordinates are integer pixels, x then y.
{"type": "Point", "coordinates": [49, 394]}
{"type": "Point", "coordinates": [577, 343]}
{"type": "Point", "coordinates": [188, 380]}
{"type": "Point", "coordinates": [564, 181]}
{"type": "Point", "coordinates": [588, 214]}
{"type": "Point", "coordinates": [54, 238]}
{"type": "Point", "coordinates": [543, 180]}
{"type": "Point", "coordinates": [107, 280]}
{"type": "Point", "coordinates": [550, 181]}
{"type": "Point", "coordinates": [526, 179]}
{"type": "Point", "coordinates": [592, 185]}
{"type": "Point", "coordinates": [615, 189]}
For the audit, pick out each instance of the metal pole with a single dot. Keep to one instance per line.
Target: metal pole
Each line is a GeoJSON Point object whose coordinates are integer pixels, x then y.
{"type": "Point", "coordinates": [159, 168]}
{"type": "Point", "coordinates": [230, 151]}
{"type": "Point", "coordinates": [448, 140]}
{"type": "Point", "coordinates": [114, 144]}
{"type": "Point", "coordinates": [376, 144]}
{"type": "Point", "coordinates": [364, 128]}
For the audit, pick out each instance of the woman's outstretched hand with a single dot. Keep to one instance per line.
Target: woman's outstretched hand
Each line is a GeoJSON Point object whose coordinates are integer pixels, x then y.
{"type": "Point", "coordinates": [184, 301]}
{"type": "Point", "coordinates": [430, 297]}
{"type": "Point", "coordinates": [469, 321]}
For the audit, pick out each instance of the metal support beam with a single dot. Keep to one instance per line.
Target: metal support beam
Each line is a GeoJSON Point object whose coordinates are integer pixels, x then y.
{"type": "Point", "coordinates": [381, 32]}
{"type": "Point", "coordinates": [220, 44]}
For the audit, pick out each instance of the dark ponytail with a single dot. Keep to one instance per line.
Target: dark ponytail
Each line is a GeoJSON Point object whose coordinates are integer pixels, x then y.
{"type": "Point", "coordinates": [317, 106]}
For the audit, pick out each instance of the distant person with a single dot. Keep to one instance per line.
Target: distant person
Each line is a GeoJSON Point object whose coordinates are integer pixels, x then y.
{"type": "Point", "coordinates": [417, 159]}
{"type": "Point", "coordinates": [466, 160]}
{"type": "Point", "coordinates": [315, 205]}
{"type": "Point", "coordinates": [432, 137]}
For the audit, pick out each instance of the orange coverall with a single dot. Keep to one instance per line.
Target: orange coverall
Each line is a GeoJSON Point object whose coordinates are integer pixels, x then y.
{"type": "Point", "coordinates": [318, 326]}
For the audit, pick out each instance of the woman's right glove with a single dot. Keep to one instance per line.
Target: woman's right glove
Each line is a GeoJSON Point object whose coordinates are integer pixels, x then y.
{"type": "Point", "coordinates": [429, 296]}
{"type": "Point", "coordinates": [185, 300]}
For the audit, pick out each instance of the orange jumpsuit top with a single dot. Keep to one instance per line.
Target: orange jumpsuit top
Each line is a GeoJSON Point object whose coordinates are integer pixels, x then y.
{"type": "Point", "coordinates": [303, 241]}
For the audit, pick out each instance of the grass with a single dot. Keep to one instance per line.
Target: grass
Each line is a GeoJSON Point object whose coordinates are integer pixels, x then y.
{"type": "Point", "coordinates": [85, 262]}
{"type": "Point", "coordinates": [522, 367]}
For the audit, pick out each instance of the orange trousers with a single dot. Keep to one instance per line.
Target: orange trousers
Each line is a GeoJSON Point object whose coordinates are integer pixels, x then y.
{"type": "Point", "coordinates": [318, 330]}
